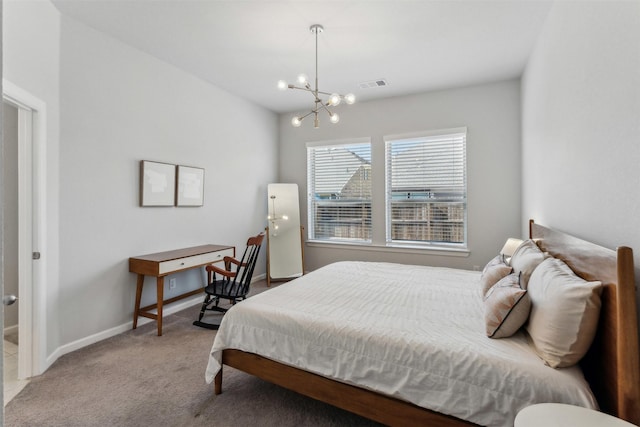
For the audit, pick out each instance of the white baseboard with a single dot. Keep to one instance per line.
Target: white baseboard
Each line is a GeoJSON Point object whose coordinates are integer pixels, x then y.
{"type": "Point", "coordinates": [92, 339]}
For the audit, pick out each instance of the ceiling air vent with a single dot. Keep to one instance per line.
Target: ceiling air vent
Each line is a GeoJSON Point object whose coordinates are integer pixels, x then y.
{"type": "Point", "coordinates": [373, 83]}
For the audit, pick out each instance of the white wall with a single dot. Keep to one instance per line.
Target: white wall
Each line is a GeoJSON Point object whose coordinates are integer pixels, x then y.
{"type": "Point", "coordinates": [119, 106]}
{"type": "Point", "coordinates": [491, 113]}
{"type": "Point", "coordinates": [109, 107]}
{"type": "Point", "coordinates": [581, 123]}
{"type": "Point", "coordinates": [31, 49]}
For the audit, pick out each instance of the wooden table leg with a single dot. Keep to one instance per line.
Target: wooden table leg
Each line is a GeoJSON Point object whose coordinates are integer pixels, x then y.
{"type": "Point", "coordinates": [160, 283]}
{"type": "Point", "coordinates": [138, 298]}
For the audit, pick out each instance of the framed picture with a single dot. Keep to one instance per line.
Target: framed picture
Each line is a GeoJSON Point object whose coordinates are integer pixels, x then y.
{"type": "Point", "coordinates": [190, 190]}
{"type": "Point", "coordinates": [157, 184]}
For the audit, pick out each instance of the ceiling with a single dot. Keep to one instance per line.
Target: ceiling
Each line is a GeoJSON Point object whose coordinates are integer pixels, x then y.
{"type": "Point", "coordinates": [246, 46]}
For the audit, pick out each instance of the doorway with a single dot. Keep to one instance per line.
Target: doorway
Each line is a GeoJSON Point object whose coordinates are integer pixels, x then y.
{"type": "Point", "coordinates": [12, 384]}
{"type": "Point", "coordinates": [26, 115]}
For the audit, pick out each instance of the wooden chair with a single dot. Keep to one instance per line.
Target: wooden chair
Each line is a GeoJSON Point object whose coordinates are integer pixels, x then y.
{"type": "Point", "coordinates": [233, 283]}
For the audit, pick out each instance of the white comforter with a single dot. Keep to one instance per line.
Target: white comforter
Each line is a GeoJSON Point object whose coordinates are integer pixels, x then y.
{"type": "Point", "coordinates": [412, 332]}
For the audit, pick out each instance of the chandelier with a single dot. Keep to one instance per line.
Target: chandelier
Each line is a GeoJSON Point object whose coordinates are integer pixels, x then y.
{"type": "Point", "coordinates": [333, 99]}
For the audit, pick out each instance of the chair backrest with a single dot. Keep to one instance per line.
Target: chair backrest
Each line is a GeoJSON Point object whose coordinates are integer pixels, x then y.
{"type": "Point", "coordinates": [244, 272]}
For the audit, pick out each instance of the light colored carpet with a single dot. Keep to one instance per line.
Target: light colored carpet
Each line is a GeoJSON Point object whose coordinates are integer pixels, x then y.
{"type": "Point", "coordinates": [138, 379]}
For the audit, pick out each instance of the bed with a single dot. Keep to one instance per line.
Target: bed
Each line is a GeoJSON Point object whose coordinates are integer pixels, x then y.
{"type": "Point", "coordinates": [609, 374]}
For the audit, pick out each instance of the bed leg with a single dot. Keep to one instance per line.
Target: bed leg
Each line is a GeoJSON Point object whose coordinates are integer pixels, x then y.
{"type": "Point", "coordinates": [218, 382]}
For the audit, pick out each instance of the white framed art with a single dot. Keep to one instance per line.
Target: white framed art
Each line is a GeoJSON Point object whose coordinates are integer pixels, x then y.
{"type": "Point", "coordinates": [157, 183]}
{"type": "Point", "coordinates": [190, 188]}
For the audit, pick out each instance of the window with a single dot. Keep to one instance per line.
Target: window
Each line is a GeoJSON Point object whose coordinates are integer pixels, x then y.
{"type": "Point", "coordinates": [339, 185]}
{"type": "Point", "coordinates": [427, 189]}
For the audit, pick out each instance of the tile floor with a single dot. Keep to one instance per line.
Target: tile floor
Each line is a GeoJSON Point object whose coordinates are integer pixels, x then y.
{"type": "Point", "coordinates": [12, 385]}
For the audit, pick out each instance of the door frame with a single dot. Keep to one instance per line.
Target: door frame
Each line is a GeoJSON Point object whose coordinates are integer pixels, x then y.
{"type": "Point", "coordinates": [32, 288]}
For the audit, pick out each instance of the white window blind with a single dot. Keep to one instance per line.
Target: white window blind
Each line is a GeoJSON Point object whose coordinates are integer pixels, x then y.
{"type": "Point", "coordinates": [339, 185]}
{"type": "Point", "coordinates": [427, 190]}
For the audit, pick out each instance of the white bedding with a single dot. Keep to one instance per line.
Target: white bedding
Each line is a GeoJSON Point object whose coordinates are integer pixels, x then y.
{"type": "Point", "coordinates": [412, 332]}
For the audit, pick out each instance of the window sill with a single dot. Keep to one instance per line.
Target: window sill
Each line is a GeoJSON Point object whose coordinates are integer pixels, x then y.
{"type": "Point", "coordinates": [427, 250]}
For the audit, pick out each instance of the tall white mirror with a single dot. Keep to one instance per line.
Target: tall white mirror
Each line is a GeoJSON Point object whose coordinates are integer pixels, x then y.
{"type": "Point", "coordinates": [284, 238]}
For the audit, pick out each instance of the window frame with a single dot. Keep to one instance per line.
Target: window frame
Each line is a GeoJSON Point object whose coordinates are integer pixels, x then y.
{"type": "Point", "coordinates": [311, 185]}
{"type": "Point", "coordinates": [417, 137]}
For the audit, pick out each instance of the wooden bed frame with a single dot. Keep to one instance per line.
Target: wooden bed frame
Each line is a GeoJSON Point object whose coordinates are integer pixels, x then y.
{"type": "Point", "coordinates": [612, 365]}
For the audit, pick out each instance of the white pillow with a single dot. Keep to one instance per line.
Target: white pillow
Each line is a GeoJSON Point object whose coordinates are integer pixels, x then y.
{"type": "Point", "coordinates": [497, 260]}
{"type": "Point", "coordinates": [564, 313]}
{"type": "Point", "coordinates": [495, 270]}
{"type": "Point", "coordinates": [506, 307]}
{"type": "Point", "coordinates": [525, 259]}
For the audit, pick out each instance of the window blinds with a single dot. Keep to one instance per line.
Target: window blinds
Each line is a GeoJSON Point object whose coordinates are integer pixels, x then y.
{"type": "Point", "coordinates": [427, 189]}
{"type": "Point", "coordinates": [339, 183]}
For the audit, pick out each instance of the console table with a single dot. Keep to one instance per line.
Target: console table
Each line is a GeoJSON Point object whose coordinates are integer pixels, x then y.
{"type": "Point", "coordinates": [162, 264]}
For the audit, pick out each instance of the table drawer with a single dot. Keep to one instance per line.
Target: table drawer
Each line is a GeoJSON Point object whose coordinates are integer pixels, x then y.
{"type": "Point", "coordinates": [178, 264]}
{"type": "Point", "coordinates": [215, 256]}
{"type": "Point", "coordinates": [166, 267]}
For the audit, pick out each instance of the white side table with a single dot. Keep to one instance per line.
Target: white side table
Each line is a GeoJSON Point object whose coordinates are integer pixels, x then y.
{"type": "Point", "coordinates": [561, 415]}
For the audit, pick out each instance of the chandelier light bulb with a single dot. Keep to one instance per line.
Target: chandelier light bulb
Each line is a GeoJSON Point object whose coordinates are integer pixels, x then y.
{"type": "Point", "coordinates": [350, 98]}
{"type": "Point", "coordinates": [334, 118]}
{"type": "Point", "coordinates": [282, 85]}
{"type": "Point", "coordinates": [296, 122]}
{"type": "Point", "coordinates": [303, 79]}
{"type": "Point", "coordinates": [334, 99]}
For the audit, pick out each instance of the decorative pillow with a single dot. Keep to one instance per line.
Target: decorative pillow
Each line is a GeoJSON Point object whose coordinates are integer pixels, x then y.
{"type": "Point", "coordinates": [525, 259]}
{"type": "Point", "coordinates": [492, 273]}
{"type": "Point", "coordinates": [506, 307]}
{"type": "Point", "coordinates": [497, 260]}
{"type": "Point", "coordinates": [564, 314]}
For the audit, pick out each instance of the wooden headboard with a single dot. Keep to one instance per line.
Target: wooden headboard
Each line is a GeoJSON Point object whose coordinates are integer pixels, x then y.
{"type": "Point", "coordinates": [612, 365]}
